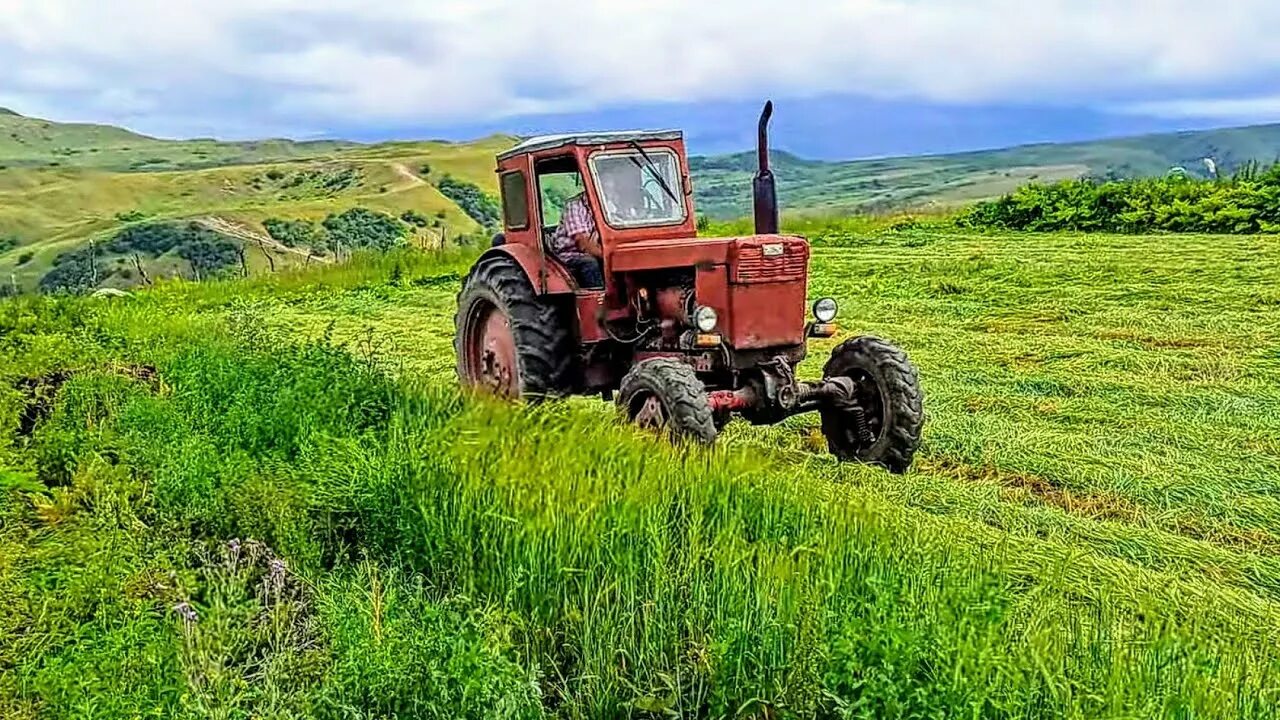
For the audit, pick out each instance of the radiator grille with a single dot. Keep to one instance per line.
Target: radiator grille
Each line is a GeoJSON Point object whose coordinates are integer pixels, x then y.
{"type": "Point", "coordinates": [753, 266]}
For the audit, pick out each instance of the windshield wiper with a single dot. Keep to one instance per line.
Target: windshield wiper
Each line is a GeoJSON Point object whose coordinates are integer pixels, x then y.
{"type": "Point", "coordinates": [653, 168]}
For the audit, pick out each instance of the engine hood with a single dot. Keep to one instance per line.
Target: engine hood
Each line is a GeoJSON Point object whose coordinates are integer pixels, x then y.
{"type": "Point", "coordinates": [702, 251]}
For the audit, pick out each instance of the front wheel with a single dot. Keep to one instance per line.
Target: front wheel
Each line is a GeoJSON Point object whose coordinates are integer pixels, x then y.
{"type": "Point", "coordinates": [881, 423]}
{"type": "Point", "coordinates": [666, 395]}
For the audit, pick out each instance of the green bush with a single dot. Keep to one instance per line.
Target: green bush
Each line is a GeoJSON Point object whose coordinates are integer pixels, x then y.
{"type": "Point", "coordinates": [294, 233]}
{"type": "Point", "coordinates": [415, 218]}
{"type": "Point", "coordinates": [207, 252]}
{"type": "Point", "coordinates": [73, 272]}
{"type": "Point", "coordinates": [361, 228]}
{"type": "Point", "coordinates": [1247, 203]}
{"type": "Point", "coordinates": [478, 205]}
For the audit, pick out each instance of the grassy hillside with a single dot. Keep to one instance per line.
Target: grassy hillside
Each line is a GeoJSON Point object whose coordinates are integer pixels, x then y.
{"type": "Point", "coordinates": [33, 142]}
{"type": "Point", "coordinates": [65, 185]}
{"type": "Point", "coordinates": [263, 498]}
{"type": "Point", "coordinates": [724, 183]}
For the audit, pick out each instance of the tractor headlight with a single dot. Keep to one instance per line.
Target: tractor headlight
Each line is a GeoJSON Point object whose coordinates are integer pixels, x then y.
{"type": "Point", "coordinates": [705, 318]}
{"type": "Point", "coordinates": [825, 310]}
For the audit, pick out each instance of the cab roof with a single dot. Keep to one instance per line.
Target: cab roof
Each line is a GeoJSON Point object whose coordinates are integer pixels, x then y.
{"type": "Point", "coordinates": [545, 142]}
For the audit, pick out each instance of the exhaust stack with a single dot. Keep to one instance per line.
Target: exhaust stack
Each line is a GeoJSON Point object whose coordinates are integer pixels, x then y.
{"type": "Point", "coordinates": [765, 193]}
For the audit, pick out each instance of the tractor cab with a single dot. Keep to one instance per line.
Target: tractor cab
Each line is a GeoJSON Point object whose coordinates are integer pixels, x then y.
{"type": "Point", "coordinates": [635, 185]}
{"type": "Point", "coordinates": [689, 331]}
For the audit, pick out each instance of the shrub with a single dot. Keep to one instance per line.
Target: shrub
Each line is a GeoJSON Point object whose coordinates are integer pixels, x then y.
{"type": "Point", "coordinates": [79, 270]}
{"type": "Point", "coordinates": [1249, 202]}
{"type": "Point", "coordinates": [413, 217]}
{"type": "Point", "coordinates": [131, 216]}
{"type": "Point", "coordinates": [363, 228]}
{"type": "Point", "coordinates": [208, 252]}
{"type": "Point", "coordinates": [293, 233]}
{"type": "Point", "coordinates": [340, 180]}
{"type": "Point", "coordinates": [72, 272]}
{"type": "Point", "coordinates": [481, 207]}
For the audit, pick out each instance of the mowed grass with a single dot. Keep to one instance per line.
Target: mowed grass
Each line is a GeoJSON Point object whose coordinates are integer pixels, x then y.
{"type": "Point", "coordinates": [1121, 394]}
{"type": "Point", "coordinates": [1090, 530]}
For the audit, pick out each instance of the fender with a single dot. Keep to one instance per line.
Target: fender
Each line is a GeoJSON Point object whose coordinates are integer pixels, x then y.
{"type": "Point", "coordinates": [558, 281]}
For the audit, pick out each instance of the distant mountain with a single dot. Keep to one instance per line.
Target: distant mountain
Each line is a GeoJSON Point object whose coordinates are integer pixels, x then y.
{"type": "Point", "coordinates": [724, 181]}
{"type": "Point", "coordinates": [33, 142]}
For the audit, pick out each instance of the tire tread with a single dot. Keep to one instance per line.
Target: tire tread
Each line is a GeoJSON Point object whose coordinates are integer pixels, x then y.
{"type": "Point", "coordinates": [541, 333]}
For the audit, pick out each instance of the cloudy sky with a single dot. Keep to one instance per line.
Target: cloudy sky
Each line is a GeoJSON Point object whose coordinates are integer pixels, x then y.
{"type": "Point", "coordinates": [851, 77]}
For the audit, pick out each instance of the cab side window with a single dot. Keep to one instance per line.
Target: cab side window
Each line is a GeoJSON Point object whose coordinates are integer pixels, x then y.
{"type": "Point", "coordinates": [515, 201]}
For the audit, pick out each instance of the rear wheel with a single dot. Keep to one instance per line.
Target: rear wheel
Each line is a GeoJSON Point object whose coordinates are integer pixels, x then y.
{"type": "Point", "coordinates": [508, 340]}
{"type": "Point", "coordinates": [667, 396]}
{"type": "Point", "coordinates": [881, 420]}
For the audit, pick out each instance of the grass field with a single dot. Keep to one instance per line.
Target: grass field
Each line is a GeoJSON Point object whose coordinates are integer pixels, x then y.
{"type": "Point", "coordinates": [264, 499]}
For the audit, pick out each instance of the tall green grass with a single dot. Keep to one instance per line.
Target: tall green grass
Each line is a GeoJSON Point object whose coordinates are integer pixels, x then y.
{"type": "Point", "coordinates": [1246, 203]}
{"type": "Point", "coordinates": [277, 528]}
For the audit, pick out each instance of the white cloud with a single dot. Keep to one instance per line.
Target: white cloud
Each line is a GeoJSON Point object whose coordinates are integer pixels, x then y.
{"type": "Point", "coordinates": [316, 63]}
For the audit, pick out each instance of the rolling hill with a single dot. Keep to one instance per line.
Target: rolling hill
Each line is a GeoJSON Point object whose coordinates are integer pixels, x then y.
{"type": "Point", "coordinates": [724, 182]}
{"type": "Point", "coordinates": [63, 185]}
{"type": "Point", "coordinates": [27, 142]}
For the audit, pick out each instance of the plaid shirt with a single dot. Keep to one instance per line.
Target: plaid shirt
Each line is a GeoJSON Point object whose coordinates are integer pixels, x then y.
{"type": "Point", "coordinates": [574, 219]}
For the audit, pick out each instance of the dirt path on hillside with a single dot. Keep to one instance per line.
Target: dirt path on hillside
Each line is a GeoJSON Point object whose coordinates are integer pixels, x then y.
{"type": "Point", "coordinates": [403, 171]}
{"type": "Point", "coordinates": [243, 232]}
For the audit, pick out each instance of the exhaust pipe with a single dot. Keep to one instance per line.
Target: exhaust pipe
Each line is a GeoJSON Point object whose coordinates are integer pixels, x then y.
{"type": "Point", "coordinates": [765, 194]}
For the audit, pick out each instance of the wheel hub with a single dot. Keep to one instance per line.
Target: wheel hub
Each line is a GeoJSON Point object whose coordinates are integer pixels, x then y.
{"type": "Point", "coordinates": [491, 352]}
{"type": "Point", "coordinates": [855, 405]}
{"type": "Point", "coordinates": [651, 414]}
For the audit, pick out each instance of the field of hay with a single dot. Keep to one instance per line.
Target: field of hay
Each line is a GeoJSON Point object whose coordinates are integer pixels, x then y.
{"type": "Point", "coordinates": [264, 498]}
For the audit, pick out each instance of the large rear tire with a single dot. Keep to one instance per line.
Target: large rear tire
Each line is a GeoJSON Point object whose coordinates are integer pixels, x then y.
{"type": "Point", "coordinates": [508, 340]}
{"type": "Point", "coordinates": [666, 395]}
{"type": "Point", "coordinates": [888, 396]}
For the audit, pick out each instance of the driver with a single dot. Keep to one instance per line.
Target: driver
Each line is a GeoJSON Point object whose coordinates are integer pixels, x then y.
{"type": "Point", "coordinates": [576, 241]}
{"type": "Point", "coordinates": [621, 190]}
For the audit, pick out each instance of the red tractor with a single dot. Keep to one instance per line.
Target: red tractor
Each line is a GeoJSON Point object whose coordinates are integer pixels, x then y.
{"type": "Point", "coordinates": [686, 331]}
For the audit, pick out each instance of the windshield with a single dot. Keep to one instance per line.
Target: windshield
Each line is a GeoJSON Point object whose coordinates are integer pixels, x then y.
{"type": "Point", "coordinates": [639, 188]}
